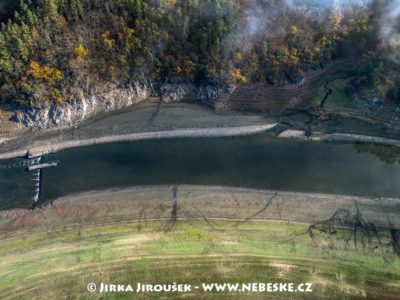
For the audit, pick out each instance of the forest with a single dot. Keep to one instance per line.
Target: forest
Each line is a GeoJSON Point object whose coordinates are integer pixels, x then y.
{"type": "Point", "coordinates": [52, 51]}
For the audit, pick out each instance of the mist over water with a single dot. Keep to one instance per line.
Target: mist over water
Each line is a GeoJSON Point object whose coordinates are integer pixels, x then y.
{"type": "Point", "coordinates": [328, 4]}
{"type": "Point", "coordinates": [261, 18]}
{"type": "Point", "coordinates": [271, 19]}
{"type": "Point", "coordinates": [390, 21]}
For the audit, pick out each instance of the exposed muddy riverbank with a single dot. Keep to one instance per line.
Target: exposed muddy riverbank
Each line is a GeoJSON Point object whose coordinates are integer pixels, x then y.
{"type": "Point", "coordinates": [145, 118]}
{"type": "Point", "coordinates": [212, 201]}
{"type": "Point", "coordinates": [152, 119]}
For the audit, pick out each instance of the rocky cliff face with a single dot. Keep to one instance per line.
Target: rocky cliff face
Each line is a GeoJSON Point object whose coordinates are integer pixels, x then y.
{"type": "Point", "coordinates": [75, 111]}
{"type": "Point", "coordinates": [206, 94]}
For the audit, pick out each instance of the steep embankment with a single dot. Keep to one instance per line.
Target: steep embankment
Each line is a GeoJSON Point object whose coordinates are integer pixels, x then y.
{"type": "Point", "coordinates": [275, 99]}
{"type": "Point", "coordinates": [76, 111]}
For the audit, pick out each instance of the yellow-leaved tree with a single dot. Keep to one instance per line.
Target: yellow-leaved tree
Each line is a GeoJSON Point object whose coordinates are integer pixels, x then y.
{"type": "Point", "coordinates": [81, 52]}
{"type": "Point", "coordinates": [51, 75]}
{"type": "Point", "coordinates": [237, 76]}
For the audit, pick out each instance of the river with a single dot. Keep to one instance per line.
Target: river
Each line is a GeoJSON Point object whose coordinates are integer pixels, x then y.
{"type": "Point", "coordinates": [260, 161]}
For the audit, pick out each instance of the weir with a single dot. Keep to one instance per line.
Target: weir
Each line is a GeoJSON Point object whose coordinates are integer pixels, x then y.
{"type": "Point", "coordinates": [38, 187]}
{"type": "Point", "coordinates": [37, 179]}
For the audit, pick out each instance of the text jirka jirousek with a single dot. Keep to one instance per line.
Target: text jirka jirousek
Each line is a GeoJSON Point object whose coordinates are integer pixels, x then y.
{"type": "Point", "coordinates": [258, 287]}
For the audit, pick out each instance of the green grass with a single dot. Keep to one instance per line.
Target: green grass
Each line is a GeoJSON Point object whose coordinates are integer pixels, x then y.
{"type": "Point", "coordinates": [339, 98]}
{"type": "Point", "coordinates": [59, 264]}
{"type": "Point", "coordinates": [337, 81]}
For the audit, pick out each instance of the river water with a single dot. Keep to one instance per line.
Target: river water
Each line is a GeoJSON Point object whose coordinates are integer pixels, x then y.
{"type": "Point", "coordinates": [254, 162]}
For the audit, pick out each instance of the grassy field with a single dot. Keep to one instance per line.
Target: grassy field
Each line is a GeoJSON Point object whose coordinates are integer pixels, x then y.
{"type": "Point", "coordinates": [60, 264]}
{"type": "Point", "coordinates": [43, 258]}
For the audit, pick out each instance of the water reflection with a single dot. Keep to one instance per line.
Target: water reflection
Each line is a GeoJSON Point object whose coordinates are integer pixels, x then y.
{"type": "Point", "coordinates": [258, 162]}
{"type": "Point", "coordinates": [387, 153]}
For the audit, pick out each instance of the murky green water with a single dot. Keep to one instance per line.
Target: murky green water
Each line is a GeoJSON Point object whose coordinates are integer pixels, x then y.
{"type": "Point", "coordinates": [253, 162]}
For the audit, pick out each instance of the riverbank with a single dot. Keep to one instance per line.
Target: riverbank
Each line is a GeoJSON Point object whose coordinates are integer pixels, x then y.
{"type": "Point", "coordinates": [196, 234]}
{"type": "Point", "coordinates": [167, 134]}
{"type": "Point", "coordinates": [181, 133]}
{"type": "Point", "coordinates": [338, 137]}
{"type": "Point", "coordinates": [212, 202]}
{"type": "Point", "coordinates": [155, 120]}
{"type": "Point", "coordinates": [150, 118]}
{"type": "Point", "coordinates": [37, 151]}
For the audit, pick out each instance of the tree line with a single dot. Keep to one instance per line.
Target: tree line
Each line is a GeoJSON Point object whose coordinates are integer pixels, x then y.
{"type": "Point", "coordinates": [57, 50]}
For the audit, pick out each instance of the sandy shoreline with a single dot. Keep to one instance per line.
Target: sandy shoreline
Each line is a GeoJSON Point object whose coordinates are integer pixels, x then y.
{"type": "Point", "coordinates": [213, 202]}
{"type": "Point", "coordinates": [238, 190]}
{"type": "Point", "coordinates": [237, 203]}
{"type": "Point", "coordinates": [167, 134]}
{"type": "Point", "coordinates": [198, 133]}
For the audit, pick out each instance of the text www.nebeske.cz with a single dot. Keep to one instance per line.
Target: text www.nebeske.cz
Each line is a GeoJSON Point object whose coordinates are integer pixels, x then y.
{"type": "Point", "coordinates": [204, 287]}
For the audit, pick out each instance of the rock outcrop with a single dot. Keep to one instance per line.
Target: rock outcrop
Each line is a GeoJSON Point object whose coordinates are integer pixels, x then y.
{"type": "Point", "coordinates": [75, 111]}
{"type": "Point", "coordinates": [206, 94]}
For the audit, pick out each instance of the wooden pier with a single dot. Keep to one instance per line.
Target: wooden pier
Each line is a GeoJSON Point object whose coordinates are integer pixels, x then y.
{"type": "Point", "coordinates": [43, 166]}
